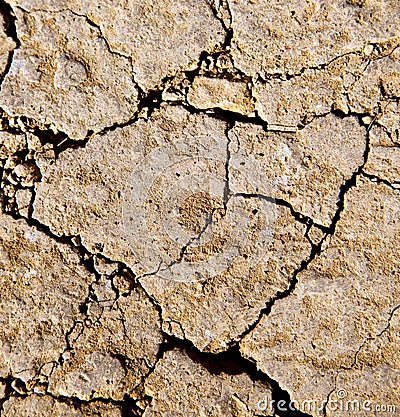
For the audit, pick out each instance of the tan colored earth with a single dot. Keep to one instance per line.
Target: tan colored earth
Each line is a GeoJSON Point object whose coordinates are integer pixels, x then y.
{"type": "Point", "coordinates": [200, 208]}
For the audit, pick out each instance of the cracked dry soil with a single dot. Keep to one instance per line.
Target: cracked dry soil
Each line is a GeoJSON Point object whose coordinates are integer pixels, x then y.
{"type": "Point", "coordinates": [199, 208]}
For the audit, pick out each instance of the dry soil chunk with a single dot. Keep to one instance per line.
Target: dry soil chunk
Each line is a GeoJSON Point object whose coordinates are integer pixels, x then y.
{"type": "Point", "coordinates": [42, 286]}
{"type": "Point", "coordinates": [306, 168]}
{"type": "Point", "coordinates": [326, 336]}
{"type": "Point", "coordinates": [286, 104]}
{"type": "Point", "coordinates": [272, 37]}
{"type": "Point", "coordinates": [208, 93]}
{"type": "Point", "coordinates": [152, 195]}
{"type": "Point", "coordinates": [356, 82]}
{"type": "Point", "coordinates": [295, 101]}
{"type": "Point", "coordinates": [6, 46]}
{"type": "Point", "coordinates": [213, 313]}
{"type": "Point", "coordinates": [11, 144]}
{"type": "Point", "coordinates": [127, 328]}
{"type": "Point", "coordinates": [95, 191]}
{"type": "Point", "coordinates": [38, 406]}
{"type": "Point", "coordinates": [64, 75]}
{"type": "Point", "coordinates": [182, 387]}
{"type": "Point", "coordinates": [384, 162]}
{"type": "Point", "coordinates": [160, 37]}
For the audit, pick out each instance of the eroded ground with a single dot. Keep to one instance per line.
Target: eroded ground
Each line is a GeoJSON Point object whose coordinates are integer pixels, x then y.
{"type": "Point", "coordinates": [200, 208]}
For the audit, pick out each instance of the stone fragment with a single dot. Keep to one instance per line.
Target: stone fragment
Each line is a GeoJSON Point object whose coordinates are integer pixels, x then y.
{"type": "Point", "coordinates": [271, 37]}
{"type": "Point", "coordinates": [10, 144]}
{"type": "Point", "coordinates": [307, 168]}
{"type": "Point", "coordinates": [158, 205]}
{"type": "Point", "coordinates": [160, 38]}
{"type": "Point", "coordinates": [65, 76]}
{"type": "Point", "coordinates": [105, 267]}
{"type": "Point", "coordinates": [6, 46]}
{"type": "Point", "coordinates": [180, 386]}
{"type": "Point", "coordinates": [23, 198]}
{"type": "Point", "coordinates": [208, 93]}
{"type": "Point", "coordinates": [112, 350]}
{"type": "Point", "coordinates": [96, 186]}
{"type": "Point", "coordinates": [42, 284]}
{"type": "Point", "coordinates": [38, 406]}
{"type": "Point", "coordinates": [351, 83]}
{"type": "Point", "coordinates": [336, 336]}
{"type": "Point", "coordinates": [26, 173]}
{"type": "Point", "coordinates": [315, 234]}
{"type": "Point", "coordinates": [384, 162]}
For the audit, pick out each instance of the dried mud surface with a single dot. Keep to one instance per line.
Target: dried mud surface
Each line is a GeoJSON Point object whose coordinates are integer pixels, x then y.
{"type": "Point", "coordinates": [200, 208]}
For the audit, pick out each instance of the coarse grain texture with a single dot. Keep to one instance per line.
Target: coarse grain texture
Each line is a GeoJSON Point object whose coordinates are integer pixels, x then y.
{"type": "Point", "coordinates": [273, 37]}
{"type": "Point", "coordinates": [42, 286]}
{"type": "Point", "coordinates": [326, 336]}
{"type": "Point", "coordinates": [199, 208]}
{"type": "Point", "coordinates": [37, 406]}
{"type": "Point", "coordinates": [306, 168]}
{"type": "Point", "coordinates": [215, 288]}
{"type": "Point", "coordinates": [181, 386]}
{"type": "Point", "coordinates": [64, 73]}
{"type": "Point", "coordinates": [160, 38]}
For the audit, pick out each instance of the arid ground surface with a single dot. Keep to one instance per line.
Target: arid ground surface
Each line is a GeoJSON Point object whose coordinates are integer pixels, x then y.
{"type": "Point", "coordinates": [200, 208]}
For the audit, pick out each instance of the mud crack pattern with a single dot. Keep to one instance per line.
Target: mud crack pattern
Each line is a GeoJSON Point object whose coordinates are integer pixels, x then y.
{"type": "Point", "coordinates": [200, 208]}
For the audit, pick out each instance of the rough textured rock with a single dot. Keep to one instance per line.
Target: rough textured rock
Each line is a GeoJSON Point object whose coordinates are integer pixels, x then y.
{"type": "Point", "coordinates": [199, 208]}
{"type": "Point", "coordinates": [226, 257]}
{"type": "Point", "coordinates": [270, 37]}
{"type": "Point", "coordinates": [160, 38]}
{"type": "Point", "coordinates": [306, 168]}
{"type": "Point", "coordinates": [326, 336]}
{"type": "Point", "coordinates": [37, 406]}
{"type": "Point", "coordinates": [64, 72]}
{"type": "Point", "coordinates": [208, 93]}
{"type": "Point", "coordinates": [181, 387]}
{"type": "Point", "coordinates": [42, 286]}
{"type": "Point", "coordinates": [6, 46]}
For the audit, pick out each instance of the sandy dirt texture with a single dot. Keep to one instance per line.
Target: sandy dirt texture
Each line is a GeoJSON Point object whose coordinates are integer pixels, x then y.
{"type": "Point", "coordinates": [199, 208]}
